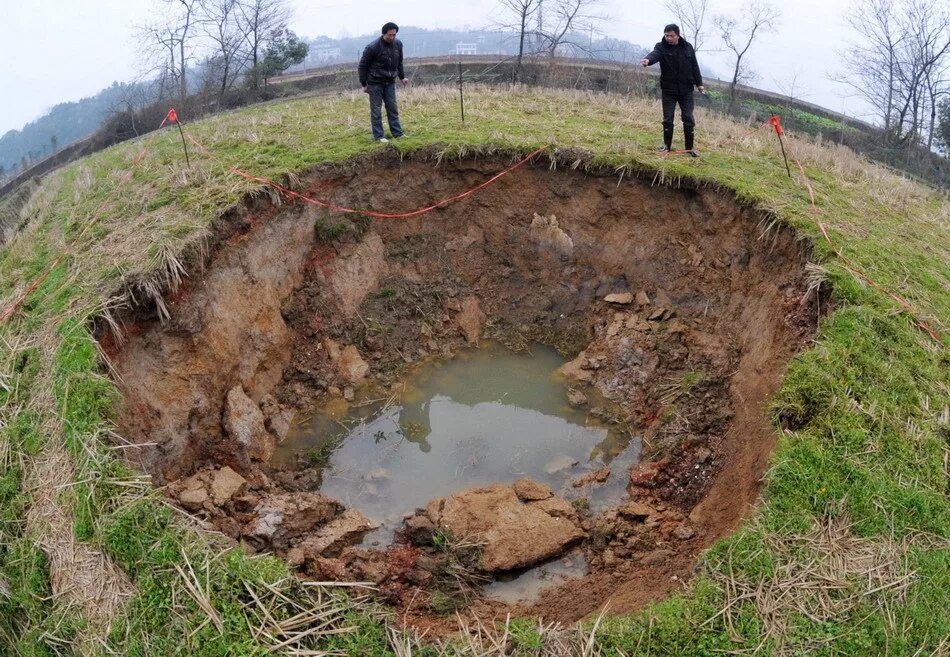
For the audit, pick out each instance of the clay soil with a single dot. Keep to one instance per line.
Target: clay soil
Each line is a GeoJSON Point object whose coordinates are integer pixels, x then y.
{"type": "Point", "coordinates": [679, 306]}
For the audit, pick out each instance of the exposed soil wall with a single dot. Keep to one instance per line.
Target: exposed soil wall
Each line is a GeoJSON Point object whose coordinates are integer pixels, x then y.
{"type": "Point", "coordinates": [674, 304]}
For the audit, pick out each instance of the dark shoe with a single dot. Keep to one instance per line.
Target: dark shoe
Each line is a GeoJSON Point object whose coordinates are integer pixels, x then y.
{"type": "Point", "coordinates": [692, 152]}
{"type": "Point", "coordinates": [663, 149]}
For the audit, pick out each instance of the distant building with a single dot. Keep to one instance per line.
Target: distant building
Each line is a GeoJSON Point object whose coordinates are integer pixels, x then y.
{"type": "Point", "coordinates": [466, 48]}
{"type": "Point", "coordinates": [323, 51]}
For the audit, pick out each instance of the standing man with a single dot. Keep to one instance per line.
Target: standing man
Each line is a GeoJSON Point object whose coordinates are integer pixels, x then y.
{"type": "Point", "coordinates": [380, 65]}
{"type": "Point", "coordinates": [679, 71]}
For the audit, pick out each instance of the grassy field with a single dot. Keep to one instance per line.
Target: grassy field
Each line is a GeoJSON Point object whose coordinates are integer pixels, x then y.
{"type": "Point", "coordinates": [846, 555]}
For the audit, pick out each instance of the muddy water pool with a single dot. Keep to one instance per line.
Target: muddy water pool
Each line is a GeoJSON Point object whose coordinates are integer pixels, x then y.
{"type": "Point", "coordinates": [488, 415]}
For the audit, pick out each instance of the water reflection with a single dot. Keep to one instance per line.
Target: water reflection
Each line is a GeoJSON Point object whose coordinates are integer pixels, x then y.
{"type": "Point", "coordinates": [487, 416]}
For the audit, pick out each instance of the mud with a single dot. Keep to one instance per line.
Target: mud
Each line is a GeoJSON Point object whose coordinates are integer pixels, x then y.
{"type": "Point", "coordinates": [677, 305]}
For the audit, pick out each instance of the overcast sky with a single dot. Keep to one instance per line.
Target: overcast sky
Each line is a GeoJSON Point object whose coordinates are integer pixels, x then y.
{"type": "Point", "coordinates": [57, 50]}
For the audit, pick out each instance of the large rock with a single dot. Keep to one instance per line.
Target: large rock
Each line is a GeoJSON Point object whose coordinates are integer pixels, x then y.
{"type": "Point", "coordinates": [513, 533]}
{"type": "Point", "coordinates": [619, 298]}
{"type": "Point", "coordinates": [277, 417]}
{"type": "Point", "coordinates": [244, 423]}
{"type": "Point", "coordinates": [225, 484]}
{"type": "Point", "coordinates": [345, 529]}
{"type": "Point", "coordinates": [351, 366]}
{"type": "Point", "coordinates": [470, 320]}
{"type": "Point", "coordinates": [281, 518]}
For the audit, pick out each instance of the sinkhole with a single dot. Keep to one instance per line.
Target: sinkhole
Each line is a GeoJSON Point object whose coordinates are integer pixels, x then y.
{"type": "Point", "coordinates": [547, 395]}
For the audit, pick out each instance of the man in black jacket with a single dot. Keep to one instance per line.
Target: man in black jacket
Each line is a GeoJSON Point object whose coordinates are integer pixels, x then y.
{"type": "Point", "coordinates": [679, 72]}
{"type": "Point", "coordinates": [380, 65]}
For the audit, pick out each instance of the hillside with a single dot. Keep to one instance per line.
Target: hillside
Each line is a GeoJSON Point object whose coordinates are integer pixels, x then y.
{"type": "Point", "coordinates": [787, 372]}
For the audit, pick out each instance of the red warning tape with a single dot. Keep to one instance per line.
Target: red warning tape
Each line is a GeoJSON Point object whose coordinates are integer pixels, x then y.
{"type": "Point", "coordinates": [901, 301]}
{"type": "Point", "coordinates": [367, 213]}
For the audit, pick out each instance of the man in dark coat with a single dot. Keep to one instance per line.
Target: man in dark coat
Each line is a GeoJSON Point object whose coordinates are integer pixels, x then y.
{"type": "Point", "coordinates": [679, 72]}
{"type": "Point", "coordinates": [380, 65]}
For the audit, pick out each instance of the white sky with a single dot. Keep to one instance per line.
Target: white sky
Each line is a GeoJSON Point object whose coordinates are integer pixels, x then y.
{"type": "Point", "coordinates": [58, 50]}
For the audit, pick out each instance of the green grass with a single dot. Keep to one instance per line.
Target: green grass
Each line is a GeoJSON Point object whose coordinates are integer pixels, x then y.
{"type": "Point", "coordinates": [862, 412]}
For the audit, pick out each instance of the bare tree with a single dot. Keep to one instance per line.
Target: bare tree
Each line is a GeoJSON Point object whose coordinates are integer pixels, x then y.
{"type": "Point", "coordinates": [898, 63]}
{"type": "Point", "coordinates": [691, 15]}
{"type": "Point", "coordinates": [518, 17]}
{"type": "Point", "coordinates": [737, 34]}
{"type": "Point", "coordinates": [181, 27]}
{"type": "Point", "coordinates": [563, 21]}
{"type": "Point", "coordinates": [220, 25]}
{"type": "Point", "coordinates": [871, 64]}
{"type": "Point", "coordinates": [920, 62]}
{"type": "Point", "coordinates": [259, 20]}
{"type": "Point", "coordinates": [158, 50]}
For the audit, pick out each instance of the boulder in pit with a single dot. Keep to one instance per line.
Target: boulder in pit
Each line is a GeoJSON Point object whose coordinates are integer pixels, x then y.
{"type": "Point", "coordinates": [244, 424]}
{"type": "Point", "coordinates": [513, 532]}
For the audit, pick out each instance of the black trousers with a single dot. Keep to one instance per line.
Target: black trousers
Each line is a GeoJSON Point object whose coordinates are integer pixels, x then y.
{"type": "Point", "coordinates": [685, 101]}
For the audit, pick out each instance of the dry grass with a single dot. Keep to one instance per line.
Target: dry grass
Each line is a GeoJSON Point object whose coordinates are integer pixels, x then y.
{"type": "Point", "coordinates": [822, 575]}
{"type": "Point", "coordinates": [81, 576]}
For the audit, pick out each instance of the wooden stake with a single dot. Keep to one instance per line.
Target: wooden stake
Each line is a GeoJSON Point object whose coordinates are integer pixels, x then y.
{"type": "Point", "coordinates": [461, 95]}
{"type": "Point", "coordinates": [185, 145]}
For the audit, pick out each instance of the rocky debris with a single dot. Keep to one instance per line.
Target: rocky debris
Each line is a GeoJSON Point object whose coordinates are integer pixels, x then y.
{"type": "Point", "coordinates": [244, 423]}
{"type": "Point", "coordinates": [684, 532]}
{"type": "Point", "coordinates": [595, 477]}
{"type": "Point", "coordinates": [474, 235]}
{"type": "Point", "coordinates": [642, 298]}
{"type": "Point", "coordinates": [419, 529]}
{"type": "Point", "coordinates": [501, 523]}
{"type": "Point", "coordinates": [470, 320]}
{"type": "Point", "coordinates": [193, 497]}
{"type": "Point", "coordinates": [529, 490]}
{"type": "Point", "coordinates": [283, 517]}
{"type": "Point", "coordinates": [576, 398]}
{"type": "Point", "coordinates": [277, 417]}
{"type": "Point", "coordinates": [550, 237]}
{"type": "Point", "coordinates": [645, 474]}
{"type": "Point", "coordinates": [225, 484]}
{"type": "Point", "coordinates": [208, 488]}
{"type": "Point", "coordinates": [622, 298]}
{"type": "Point", "coordinates": [636, 511]}
{"type": "Point", "coordinates": [332, 348]}
{"type": "Point", "coordinates": [657, 557]}
{"type": "Point", "coordinates": [345, 529]}
{"type": "Point", "coordinates": [577, 369]}
{"type": "Point", "coordinates": [351, 366]}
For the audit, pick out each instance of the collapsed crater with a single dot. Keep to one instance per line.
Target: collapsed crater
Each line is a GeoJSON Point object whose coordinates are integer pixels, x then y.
{"type": "Point", "coordinates": [678, 310]}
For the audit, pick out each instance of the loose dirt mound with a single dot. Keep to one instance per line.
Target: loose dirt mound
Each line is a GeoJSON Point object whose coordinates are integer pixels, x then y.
{"type": "Point", "coordinates": [673, 304]}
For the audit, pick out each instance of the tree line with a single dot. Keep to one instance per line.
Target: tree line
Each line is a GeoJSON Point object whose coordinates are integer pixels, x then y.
{"type": "Point", "coordinates": [221, 43]}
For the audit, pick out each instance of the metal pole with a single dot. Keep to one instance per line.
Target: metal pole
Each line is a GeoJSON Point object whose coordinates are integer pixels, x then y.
{"type": "Point", "coordinates": [461, 94]}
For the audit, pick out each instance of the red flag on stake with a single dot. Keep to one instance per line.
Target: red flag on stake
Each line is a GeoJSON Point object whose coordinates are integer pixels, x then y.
{"type": "Point", "coordinates": [172, 117]}
{"type": "Point", "coordinates": [776, 122]}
